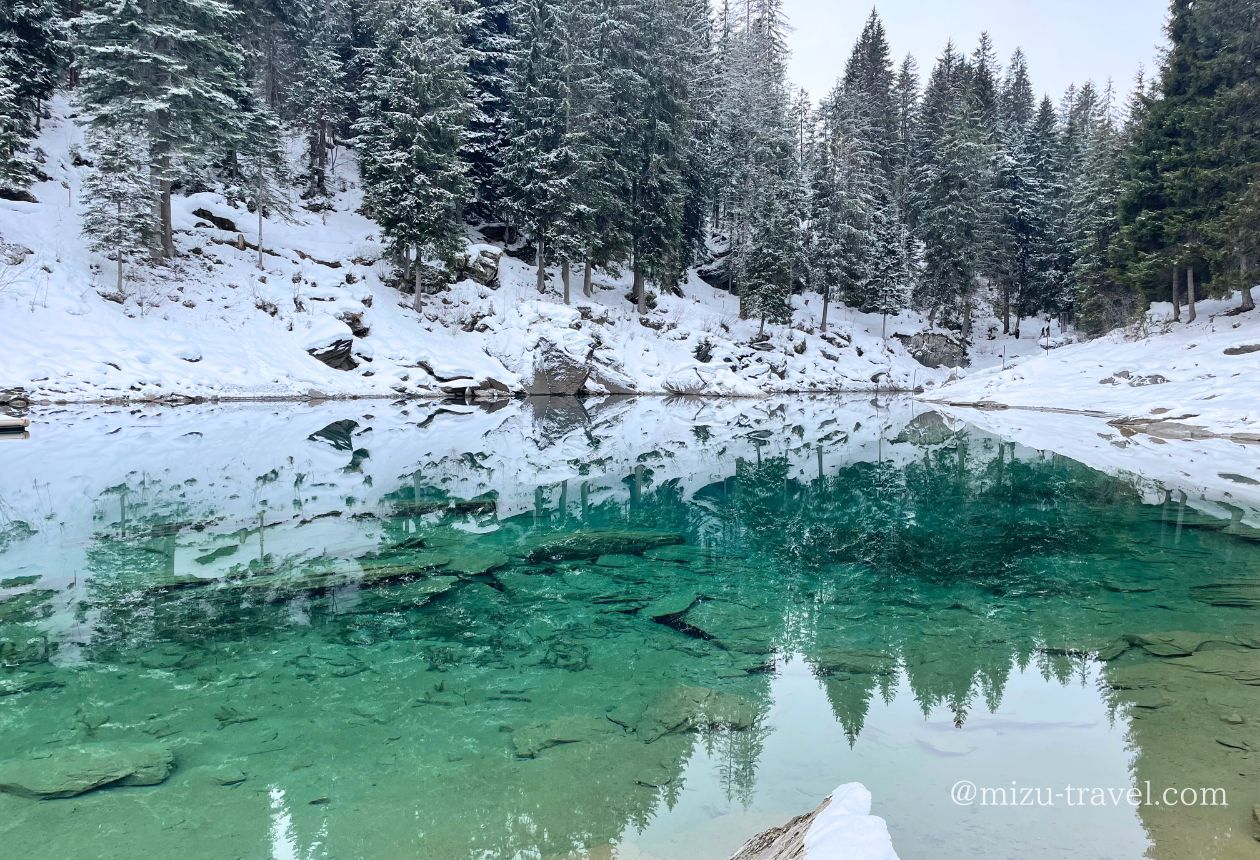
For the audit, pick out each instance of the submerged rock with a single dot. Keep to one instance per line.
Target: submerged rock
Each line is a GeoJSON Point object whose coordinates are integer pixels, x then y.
{"type": "Point", "coordinates": [74, 770]}
{"type": "Point", "coordinates": [688, 708]}
{"type": "Point", "coordinates": [670, 605]}
{"type": "Point", "coordinates": [594, 543]}
{"type": "Point", "coordinates": [1244, 594]}
{"type": "Point", "coordinates": [528, 742]}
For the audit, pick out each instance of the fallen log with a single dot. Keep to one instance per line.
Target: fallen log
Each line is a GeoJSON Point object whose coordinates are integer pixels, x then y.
{"type": "Point", "coordinates": [13, 425]}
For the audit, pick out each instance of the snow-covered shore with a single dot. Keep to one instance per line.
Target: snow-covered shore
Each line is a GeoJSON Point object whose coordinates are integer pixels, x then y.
{"type": "Point", "coordinates": [214, 326]}
{"type": "Point", "coordinates": [1169, 378]}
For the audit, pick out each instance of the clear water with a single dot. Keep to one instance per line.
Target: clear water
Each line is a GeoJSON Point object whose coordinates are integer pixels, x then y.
{"type": "Point", "coordinates": [635, 630]}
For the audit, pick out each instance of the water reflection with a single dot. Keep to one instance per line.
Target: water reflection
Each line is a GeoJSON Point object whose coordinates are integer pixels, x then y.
{"type": "Point", "coordinates": [555, 628]}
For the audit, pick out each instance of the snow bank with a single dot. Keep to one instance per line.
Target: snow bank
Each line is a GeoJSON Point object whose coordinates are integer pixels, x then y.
{"type": "Point", "coordinates": [846, 828]}
{"type": "Point", "coordinates": [1202, 373]}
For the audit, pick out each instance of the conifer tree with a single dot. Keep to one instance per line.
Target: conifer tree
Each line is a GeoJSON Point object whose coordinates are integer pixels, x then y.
{"type": "Point", "coordinates": [173, 69]}
{"type": "Point", "coordinates": [118, 199]}
{"type": "Point", "coordinates": [416, 104]}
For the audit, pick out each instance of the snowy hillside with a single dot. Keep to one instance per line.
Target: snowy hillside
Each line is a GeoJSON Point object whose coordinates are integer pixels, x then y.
{"type": "Point", "coordinates": [214, 326]}
{"type": "Point", "coordinates": [1169, 378]}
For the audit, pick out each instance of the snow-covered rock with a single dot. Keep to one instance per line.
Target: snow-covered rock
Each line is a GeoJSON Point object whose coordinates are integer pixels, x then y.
{"type": "Point", "coordinates": [840, 827]}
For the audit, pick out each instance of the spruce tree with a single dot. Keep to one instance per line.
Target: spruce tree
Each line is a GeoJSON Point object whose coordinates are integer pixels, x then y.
{"type": "Point", "coordinates": [118, 199]}
{"type": "Point", "coordinates": [416, 104]}
{"type": "Point", "coordinates": [173, 69]}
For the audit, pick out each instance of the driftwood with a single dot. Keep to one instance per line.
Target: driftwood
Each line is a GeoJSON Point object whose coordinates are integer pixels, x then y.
{"type": "Point", "coordinates": [13, 425]}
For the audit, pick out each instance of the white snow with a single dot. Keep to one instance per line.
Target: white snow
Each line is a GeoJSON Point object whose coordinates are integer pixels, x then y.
{"type": "Point", "coordinates": [212, 325]}
{"type": "Point", "coordinates": [846, 829]}
{"type": "Point", "coordinates": [1157, 370]}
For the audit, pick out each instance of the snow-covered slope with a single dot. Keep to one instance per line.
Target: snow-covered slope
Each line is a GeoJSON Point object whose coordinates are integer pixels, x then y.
{"type": "Point", "coordinates": [1201, 375]}
{"type": "Point", "coordinates": [213, 325]}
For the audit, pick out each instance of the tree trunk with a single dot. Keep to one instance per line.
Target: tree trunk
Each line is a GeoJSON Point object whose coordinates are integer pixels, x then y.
{"type": "Point", "coordinates": [1176, 300]}
{"type": "Point", "coordinates": [542, 271]}
{"type": "Point", "coordinates": [1006, 308]}
{"type": "Point", "coordinates": [564, 279]}
{"type": "Point", "coordinates": [260, 218]}
{"type": "Point", "coordinates": [826, 306]}
{"type": "Point", "coordinates": [119, 252]}
{"type": "Point", "coordinates": [418, 300]}
{"type": "Point", "coordinates": [1190, 314]}
{"type": "Point", "coordinates": [883, 327]}
{"type": "Point", "coordinates": [640, 291]}
{"type": "Point", "coordinates": [168, 235]}
{"type": "Point", "coordinates": [587, 287]}
{"type": "Point", "coordinates": [1248, 303]}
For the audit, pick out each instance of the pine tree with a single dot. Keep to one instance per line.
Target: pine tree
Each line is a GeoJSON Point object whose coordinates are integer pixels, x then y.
{"type": "Point", "coordinates": [262, 166]}
{"type": "Point", "coordinates": [490, 43]}
{"type": "Point", "coordinates": [539, 162]}
{"type": "Point", "coordinates": [118, 199]}
{"type": "Point", "coordinates": [416, 104]}
{"type": "Point", "coordinates": [318, 98]}
{"type": "Point", "coordinates": [955, 204]}
{"type": "Point", "coordinates": [173, 69]}
{"type": "Point", "coordinates": [16, 169]}
{"type": "Point", "coordinates": [34, 51]}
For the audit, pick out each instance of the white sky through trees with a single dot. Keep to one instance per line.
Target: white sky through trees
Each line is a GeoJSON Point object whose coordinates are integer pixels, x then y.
{"type": "Point", "coordinates": [1066, 41]}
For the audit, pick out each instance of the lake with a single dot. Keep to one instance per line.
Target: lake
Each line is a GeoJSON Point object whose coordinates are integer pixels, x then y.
{"type": "Point", "coordinates": [631, 629]}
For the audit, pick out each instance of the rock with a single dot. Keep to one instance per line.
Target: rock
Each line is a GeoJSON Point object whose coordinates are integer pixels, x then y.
{"type": "Point", "coordinates": [829, 662]}
{"type": "Point", "coordinates": [596, 542]}
{"type": "Point", "coordinates": [556, 372]}
{"type": "Point", "coordinates": [217, 220]}
{"type": "Point", "coordinates": [1246, 349]}
{"type": "Point", "coordinates": [480, 264]}
{"type": "Point", "coordinates": [841, 826]}
{"type": "Point", "coordinates": [476, 562]}
{"type": "Point", "coordinates": [336, 354]}
{"type": "Point", "coordinates": [932, 349]}
{"type": "Point", "coordinates": [688, 708]}
{"type": "Point", "coordinates": [1245, 594]}
{"type": "Point", "coordinates": [355, 320]}
{"type": "Point", "coordinates": [15, 396]}
{"type": "Point", "coordinates": [20, 646]}
{"type": "Point", "coordinates": [611, 380]}
{"type": "Point", "coordinates": [576, 728]}
{"type": "Point", "coordinates": [671, 604]}
{"type": "Point", "coordinates": [1180, 643]}
{"type": "Point", "coordinates": [1255, 822]}
{"type": "Point", "coordinates": [73, 770]}
{"type": "Point", "coordinates": [27, 605]}
{"type": "Point", "coordinates": [926, 428]}
{"type": "Point", "coordinates": [339, 434]}
{"type": "Point", "coordinates": [15, 686]}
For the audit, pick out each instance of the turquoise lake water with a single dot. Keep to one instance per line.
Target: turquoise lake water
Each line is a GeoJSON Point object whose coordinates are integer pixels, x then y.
{"type": "Point", "coordinates": [632, 630]}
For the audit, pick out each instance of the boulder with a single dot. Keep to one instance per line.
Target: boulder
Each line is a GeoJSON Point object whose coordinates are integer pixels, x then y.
{"type": "Point", "coordinates": [217, 220]}
{"type": "Point", "coordinates": [556, 372]}
{"type": "Point", "coordinates": [596, 542]}
{"type": "Point", "coordinates": [336, 354]}
{"type": "Point", "coordinates": [670, 605]}
{"type": "Point", "coordinates": [73, 770]}
{"type": "Point", "coordinates": [1245, 349]}
{"type": "Point", "coordinates": [611, 380]}
{"type": "Point", "coordinates": [481, 264]}
{"type": "Point", "coordinates": [688, 708]}
{"type": "Point", "coordinates": [933, 349]}
{"type": "Point", "coordinates": [841, 826]}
